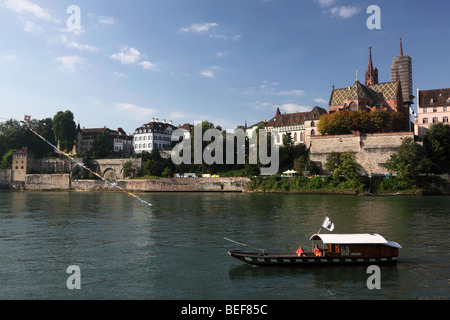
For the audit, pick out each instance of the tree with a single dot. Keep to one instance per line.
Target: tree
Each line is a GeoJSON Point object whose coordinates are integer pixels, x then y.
{"type": "Point", "coordinates": [437, 146]}
{"type": "Point", "coordinates": [342, 164]}
{"type": "Point", "coordinates": [102, 145]}
{"type": "Point", "coordinates": [65, 130]}
{"type": "Point", "coordinates": [409, 161]}
{"type": "Point", "coordinates": [287, 140]}
{"type": "Point", "coordinates": [380, 120]}
{"type": "Point", "coordinates": [7, 160]}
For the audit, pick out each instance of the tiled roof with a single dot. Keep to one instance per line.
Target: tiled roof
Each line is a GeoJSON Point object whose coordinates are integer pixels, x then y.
{"type": "Point", "coordinates": [433, 98]}
{"type": "Point", "coordinates": [297, 118]}
{"type": "Point", "coordinates": [376, 92]}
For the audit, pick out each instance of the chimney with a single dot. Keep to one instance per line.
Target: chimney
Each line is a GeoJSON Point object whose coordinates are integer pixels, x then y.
{"type": "Point", "coordinates": [157, 119]}
{"type": "Point", "coordinates": [153, 119]}
{"type": "Point", "coordinates": [164, 121]}
{"type": "Point", "coordinates": [170, 122]}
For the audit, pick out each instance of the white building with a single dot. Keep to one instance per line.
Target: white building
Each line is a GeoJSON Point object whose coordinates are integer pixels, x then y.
{"type": "Point", "coordinates": [154, 134]}
{"type": "Point", "coordinates": [433, 106]}
{"type": "Point", "coordinates": [301, 126]}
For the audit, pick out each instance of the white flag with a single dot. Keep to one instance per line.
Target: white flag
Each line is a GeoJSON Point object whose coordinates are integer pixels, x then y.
{"type": "Point", "coordinates": [328, 224]}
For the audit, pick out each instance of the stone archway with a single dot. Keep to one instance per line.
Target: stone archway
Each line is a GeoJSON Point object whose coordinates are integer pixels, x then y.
{"type": "Point", "coordinates": [110, 174]}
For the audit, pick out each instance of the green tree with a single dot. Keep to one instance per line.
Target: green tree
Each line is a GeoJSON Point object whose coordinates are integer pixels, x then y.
{"type": "Point", "coordinates": [102, 145]}
{"type": "Point", "coordinates": [409, 161]}
{"type": "Point", "coordinates": [437, 146]}
{"type": "Point", "coordinates": [342, 164]}
{"type": "Point", "coordinates": [380, 121]}
{"type": "Point", "coordinates": [7, 159]}
{"type": "Point", "coordinates": [127, 169]}
{"type": "Point", "coordinates": [65, 130]}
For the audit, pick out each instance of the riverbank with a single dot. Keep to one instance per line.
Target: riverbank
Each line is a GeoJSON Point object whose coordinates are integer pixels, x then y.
{"type": "Point", "coordinates": [380, 185]}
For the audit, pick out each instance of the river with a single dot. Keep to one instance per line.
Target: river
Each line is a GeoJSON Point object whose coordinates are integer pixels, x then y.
{"type": "Point", "coordinates": [176, 249]}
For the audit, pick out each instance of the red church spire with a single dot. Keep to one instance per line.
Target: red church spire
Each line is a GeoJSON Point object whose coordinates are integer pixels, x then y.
{"type": "Point", "coordinates": [371, 73]}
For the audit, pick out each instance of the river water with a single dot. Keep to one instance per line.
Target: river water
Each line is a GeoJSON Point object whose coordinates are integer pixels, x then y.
{"type": "Point", "coordinates": [176, 249]}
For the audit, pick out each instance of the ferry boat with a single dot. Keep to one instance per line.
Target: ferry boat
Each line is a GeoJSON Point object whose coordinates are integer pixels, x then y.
{"type": "Point", "coordinates": [363, 248]}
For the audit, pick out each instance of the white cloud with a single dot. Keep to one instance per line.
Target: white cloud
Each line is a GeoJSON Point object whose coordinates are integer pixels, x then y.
{"type": "Point", "coordinates": [82, 47]}
{"type": "Point", "coordinates": [136, 111]}
{"type": "Point", "coordinates": [325, 3]}
{"type": "Point", "coordinates": [292, 108]}
{"type": "Point", "coordinates": [26, 6]}
{"type": "Point", "coordinates": [210, 72]}
{"type": "Point", "coordinates": [70, 63]}
{"type": "Point", "coordinates": [127, 55]}
{"type": "Point", "coordinates": [32, 27]}
{"type": "Point", "coordinates": [8, 57]}
{"type": "Point", "coordinates": [147, 65]}
{"type": "Point", "coordinates": [224, 37]}
{"type": "Point", "coordinates": [344, 12]}
{"type": "Point", "coordinates": [106, 20]}
{"type": "Point", "coordinates": [199, 27]}
{"type": "Point", "coordinates": [320, 100]}
{"type": "Point", "coordinates": [221, 54]}
{"type": "Point", "coordinates": [291, 93]}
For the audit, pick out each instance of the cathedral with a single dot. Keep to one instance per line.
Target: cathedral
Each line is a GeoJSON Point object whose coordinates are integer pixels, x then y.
{"type": "Point", "coordinates": [393, 96]}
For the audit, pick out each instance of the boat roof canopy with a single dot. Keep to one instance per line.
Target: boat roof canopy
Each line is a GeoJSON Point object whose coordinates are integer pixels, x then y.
{"type": "Point", "coordinates": [356, 238]}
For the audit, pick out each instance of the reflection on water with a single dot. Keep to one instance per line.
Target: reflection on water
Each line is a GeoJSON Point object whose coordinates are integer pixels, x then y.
{"type": "Point", "coordinates": [176, 250]}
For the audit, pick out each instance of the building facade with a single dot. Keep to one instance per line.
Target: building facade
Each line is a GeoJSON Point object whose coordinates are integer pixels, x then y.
{"type": "Point", "coordinates": [433, 106]}
{"type": "Point", "coordinates": [21, 164]}
{"type": "Point", "coordinates": [120, 141]}
{"type": "Point", "coordinates": [301, 126]}
{"type": "Point", "coordinates": [154, 134]}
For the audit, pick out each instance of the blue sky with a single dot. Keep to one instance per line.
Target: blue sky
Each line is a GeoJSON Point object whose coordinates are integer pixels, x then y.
{"type": "Point", "coordinates": [226, 61]}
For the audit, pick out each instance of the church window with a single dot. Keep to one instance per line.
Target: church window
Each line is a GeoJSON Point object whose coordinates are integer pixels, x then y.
{"type": "Point", "coordinates": [295, 137]}
{"type": "Point", "coordinates": [313, 133]}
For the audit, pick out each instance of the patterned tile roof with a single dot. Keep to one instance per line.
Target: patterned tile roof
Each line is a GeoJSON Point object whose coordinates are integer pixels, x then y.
{"type": "Point", "coordinates": [376, 92]}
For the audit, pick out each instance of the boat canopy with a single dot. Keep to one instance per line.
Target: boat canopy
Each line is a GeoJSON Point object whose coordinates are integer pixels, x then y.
{"type": "Point", "coordinates": [356, 238]}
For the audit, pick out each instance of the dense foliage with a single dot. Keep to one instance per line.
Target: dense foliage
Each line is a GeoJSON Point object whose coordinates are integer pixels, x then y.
{"type": "Point", "coordinates": [346, 122]}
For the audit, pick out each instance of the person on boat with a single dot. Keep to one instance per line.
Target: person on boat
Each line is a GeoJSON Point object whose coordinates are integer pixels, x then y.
{"type": "Point", "coordinates": [317, 251]}
{"type": "Point", "coordinates": [300, 251]}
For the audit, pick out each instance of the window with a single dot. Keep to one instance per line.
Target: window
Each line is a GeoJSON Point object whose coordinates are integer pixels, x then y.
{"type": "Point", "coordinates": [425, 120]}
{"type": "Point", "coordinates": [444, 109]}
{"type": "Point", "coordinates": [445, 119]}
{"type": "Point", "coordinates": [435, 120]}
{"type": "Point", "coordinates": [434, 109]}
{"type": "Point", "coordinates": [424, 110]}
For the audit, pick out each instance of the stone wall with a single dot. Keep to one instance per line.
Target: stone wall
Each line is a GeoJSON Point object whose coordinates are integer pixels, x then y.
{"type": "Point", "coordinates": [41, 182]}
{"type": "Point", "coordinates": [371, 150]}
{"type": "Point", "coordinates": [169, 184]}
{"type": "Point", "coordinates": [5, 178]}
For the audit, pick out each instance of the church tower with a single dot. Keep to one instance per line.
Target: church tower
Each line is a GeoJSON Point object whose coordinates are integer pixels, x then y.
{"type": "Point", "coordinates": [401, 70]}
{"type": "Point", "coordinates": [371, 73]}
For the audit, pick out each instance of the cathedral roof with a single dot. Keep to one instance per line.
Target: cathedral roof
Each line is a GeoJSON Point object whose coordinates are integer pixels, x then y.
{"type": "Point", "coordinates": [376, 92]}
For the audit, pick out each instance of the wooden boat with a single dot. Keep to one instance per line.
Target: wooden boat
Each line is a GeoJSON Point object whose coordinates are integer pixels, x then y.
{"type": "Point", "coordinates": [368, 248]}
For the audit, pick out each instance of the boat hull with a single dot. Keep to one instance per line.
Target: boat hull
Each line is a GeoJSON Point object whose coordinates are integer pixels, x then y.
{"type": "Point", "coordinates": [274, 259]}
